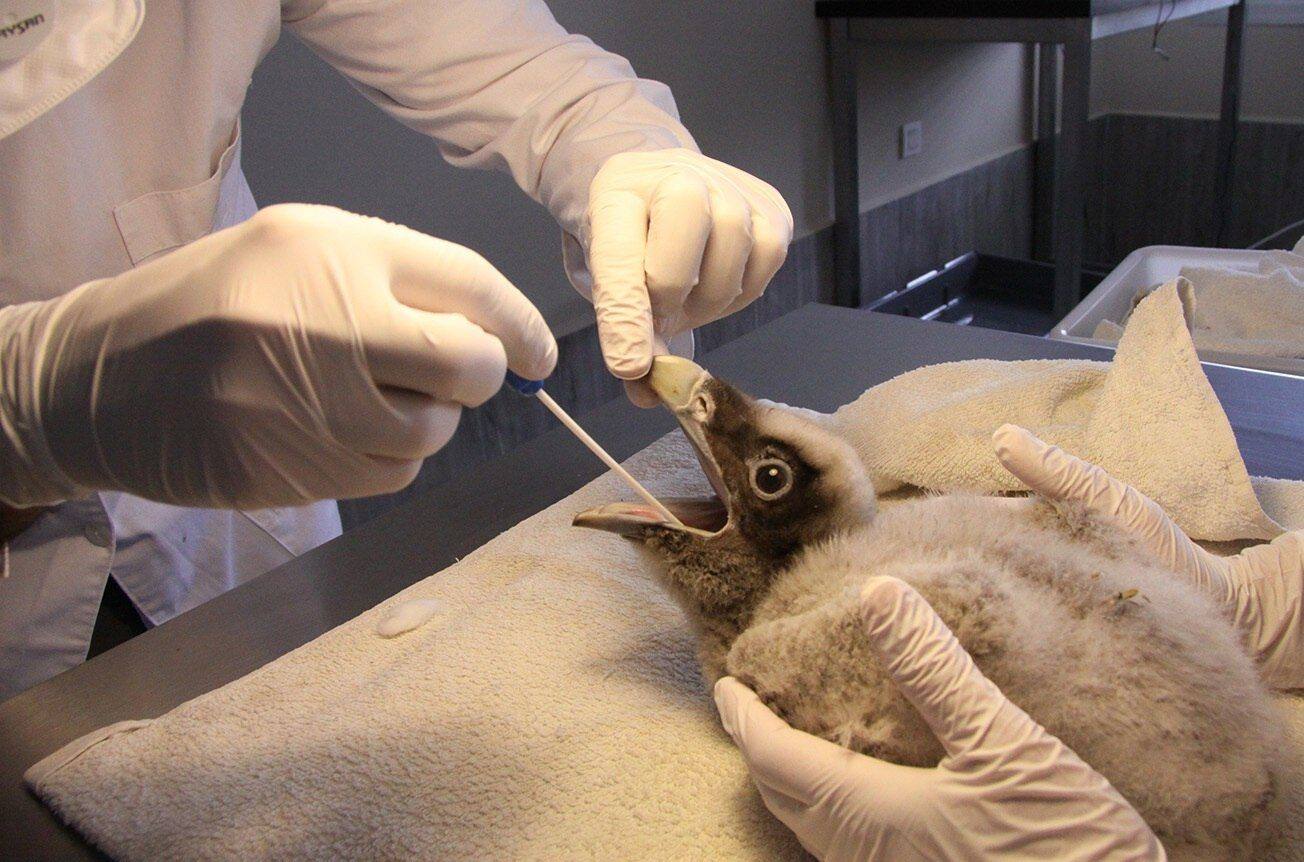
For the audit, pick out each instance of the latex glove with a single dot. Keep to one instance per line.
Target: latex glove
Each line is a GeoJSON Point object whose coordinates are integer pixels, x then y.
{"type": "Point", "coordinates": [1006, 788]}
{"type": "Point", "coordinates": [1261, 588]}
{"type": "Point", "coordinates": [676, 240]}
{"type": "Point", "coordinates": [308, 353]}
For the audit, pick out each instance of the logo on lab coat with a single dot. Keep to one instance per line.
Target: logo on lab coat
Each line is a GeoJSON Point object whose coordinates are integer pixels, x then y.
{"type": "Point", "coordinates": [18, 28]}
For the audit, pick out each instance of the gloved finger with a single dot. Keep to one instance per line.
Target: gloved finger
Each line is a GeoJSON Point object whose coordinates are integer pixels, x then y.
{"type": "Point", "coordinates": [770, 241]}
{"type": "Point", "coordinates": [436, 275]}
{"type": "Point", "coordinates": [382, 475]}
{"type": "Point", "coordinates": [444, 356]}
{"type": "Point", "coordinates": [819, 790]}
{"type": "Point", "coordinates": [420, 425]}
{"type": "Point", "coordinates": [965, 710]}
{"type": "Point", "coordinates": [618, 222]}
{"type": "Point", "coordinates": [389, 423]}
{"type": "Point", "coordinates": [678, 228]}
{"type": "Point", "coordinates": [1269, 583]}
{"type": "Point", "coordinates": [326, 475]}
{"type": "Point", "coordinates": [725, 258]}
{"type": "Point", "coordinates": [640, 394]}
{"type": "Point", "coordinates": [638, 391]}
{"type": "Point", "coordinates": [1057, 475]}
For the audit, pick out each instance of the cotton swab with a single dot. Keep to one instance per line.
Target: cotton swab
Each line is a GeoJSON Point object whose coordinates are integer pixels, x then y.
{"type": "Point", "coordinates": [535, 388]}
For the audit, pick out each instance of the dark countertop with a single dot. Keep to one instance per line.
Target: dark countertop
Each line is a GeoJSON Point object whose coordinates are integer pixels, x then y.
{"type": "Point", "coordinates": [818, 357]}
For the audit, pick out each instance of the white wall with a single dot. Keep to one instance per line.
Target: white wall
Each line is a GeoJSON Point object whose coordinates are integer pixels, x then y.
{"type": "Point", "coordinates": [1129, 77]}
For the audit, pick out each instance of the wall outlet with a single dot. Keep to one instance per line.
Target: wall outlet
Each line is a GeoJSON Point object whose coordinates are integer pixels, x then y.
{"type": "Point", "coordinates": [912, 139]}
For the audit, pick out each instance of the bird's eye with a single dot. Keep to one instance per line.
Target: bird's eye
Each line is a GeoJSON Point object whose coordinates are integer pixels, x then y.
{"type": "Point", "coordinates": [771, 479]}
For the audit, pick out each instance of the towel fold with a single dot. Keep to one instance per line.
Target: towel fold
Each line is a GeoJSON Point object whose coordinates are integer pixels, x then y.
{"type": "Point", "coordinates": [1149, 417]}
{"type": "Point", "coordinates": [552, 708]}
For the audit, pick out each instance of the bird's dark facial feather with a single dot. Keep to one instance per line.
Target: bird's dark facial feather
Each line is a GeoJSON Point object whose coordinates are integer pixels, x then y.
{"type": "Point", "coordinates": [776, 515]}
{"type": "Point", "coordinates": [785, 480]}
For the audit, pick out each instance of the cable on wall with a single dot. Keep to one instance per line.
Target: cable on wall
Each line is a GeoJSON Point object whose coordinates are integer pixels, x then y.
{"type": "Point", "coordinates": [1162, 18]}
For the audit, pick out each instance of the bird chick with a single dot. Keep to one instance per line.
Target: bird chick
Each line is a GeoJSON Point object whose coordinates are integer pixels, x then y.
{"type": "Point", "coordinates": [1079, 626]}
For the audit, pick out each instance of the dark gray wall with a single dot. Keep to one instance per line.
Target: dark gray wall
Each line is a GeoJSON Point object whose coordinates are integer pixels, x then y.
{"type": "Point", "coordinates": [1153, 182]}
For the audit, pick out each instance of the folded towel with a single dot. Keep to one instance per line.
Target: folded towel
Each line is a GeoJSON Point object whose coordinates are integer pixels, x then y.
{"type": "Point", "coordinates": [550, 706]}
{"type": "Point", "coordinates": [1253, 312]}
{"type": "Point", "coordinates": [1149, 417]}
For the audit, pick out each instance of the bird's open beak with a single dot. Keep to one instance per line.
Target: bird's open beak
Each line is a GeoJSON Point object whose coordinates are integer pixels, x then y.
{"type": "Point", "coordinates": [679, 384]}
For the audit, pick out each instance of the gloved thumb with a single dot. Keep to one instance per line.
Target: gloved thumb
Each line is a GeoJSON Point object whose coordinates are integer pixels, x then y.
{"type": "Point", "coordinates": [965, 710]}
{"type": "Point", "coordinates": [813, 786]}
{"type": "Point", "coordinates": [780, 757]}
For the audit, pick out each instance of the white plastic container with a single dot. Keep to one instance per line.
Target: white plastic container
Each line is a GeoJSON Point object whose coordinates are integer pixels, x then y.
{"type": "Point", "coordinates": [1149, 267]}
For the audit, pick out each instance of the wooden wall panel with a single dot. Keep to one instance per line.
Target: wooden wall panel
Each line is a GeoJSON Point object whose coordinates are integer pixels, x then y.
{"type": "Point", "coordinates": [1153, 183]}
{"type": "Point", "coordinates": [987, 209]}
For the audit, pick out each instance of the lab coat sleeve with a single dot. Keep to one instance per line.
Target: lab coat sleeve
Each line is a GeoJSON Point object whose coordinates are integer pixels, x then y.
{"type": "Point", "coordinates": [498, 83]}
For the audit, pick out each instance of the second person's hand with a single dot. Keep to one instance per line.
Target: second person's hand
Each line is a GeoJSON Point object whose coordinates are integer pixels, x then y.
{"type": "Point", "coordinates": [308, 353]}
{"type": "Point", "coordinates": [1261, 588]}
{"type": "Point", "coordinates": [1006, 789]}
{"type": "Point", "coordinates": [676, 240]}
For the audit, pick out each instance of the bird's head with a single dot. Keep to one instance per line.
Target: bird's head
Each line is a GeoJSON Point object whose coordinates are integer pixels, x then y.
{"type": "Point", "coordinates": [781, 481]}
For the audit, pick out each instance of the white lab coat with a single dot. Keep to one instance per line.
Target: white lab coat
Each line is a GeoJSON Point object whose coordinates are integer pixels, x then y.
{"type": "Point", "coordinates": [145, 157]}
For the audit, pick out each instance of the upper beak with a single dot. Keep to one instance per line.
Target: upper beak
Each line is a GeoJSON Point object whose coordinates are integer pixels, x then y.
{"type": "Point", "coordinates": [675, 380]}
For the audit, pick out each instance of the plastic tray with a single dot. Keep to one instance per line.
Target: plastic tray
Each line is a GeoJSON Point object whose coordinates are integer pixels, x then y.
{"type": "Point", "coordinates": [1147, 267]}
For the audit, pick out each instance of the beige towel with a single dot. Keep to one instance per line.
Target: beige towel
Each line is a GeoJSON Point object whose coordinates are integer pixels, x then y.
{"type": "Point", "coordinates": [1150, 418]}
{"type": "Point", "coordinates": [550, 709]}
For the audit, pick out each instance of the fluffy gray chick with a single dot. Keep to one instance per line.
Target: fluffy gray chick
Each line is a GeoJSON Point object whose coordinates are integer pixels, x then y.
{"type": "Point", "coordinates": [1120, 659]}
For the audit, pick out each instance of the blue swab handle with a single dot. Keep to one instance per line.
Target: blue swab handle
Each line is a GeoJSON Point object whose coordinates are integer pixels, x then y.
{"type": "Point", "coordinates": [523, 386]}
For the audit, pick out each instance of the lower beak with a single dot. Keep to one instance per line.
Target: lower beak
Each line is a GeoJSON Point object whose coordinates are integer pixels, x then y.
{"type": "Point", "coordinates": [705, 515]}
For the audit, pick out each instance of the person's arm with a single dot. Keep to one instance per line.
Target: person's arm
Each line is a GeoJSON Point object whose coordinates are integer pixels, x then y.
{"type": "Point", "coordinates": [661, 238]}
{"type": "Point", "coordinates": [305, 354]}
{"type": "Point", "coordinates": [498, 84]}
{"type": "Point", "coordinates": [1006, 789]}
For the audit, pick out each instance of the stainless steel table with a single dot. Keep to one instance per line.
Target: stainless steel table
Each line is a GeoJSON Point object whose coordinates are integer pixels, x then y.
{"type": "Point", "coordinates": [1067, 26]}
{"type": "Point", "coordinates": [818, 356]}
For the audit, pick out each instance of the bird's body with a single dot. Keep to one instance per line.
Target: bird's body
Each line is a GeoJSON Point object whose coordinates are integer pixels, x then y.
{"type": "Point", "coordinates": [1125, 662]}
{"type": "Point", "coordinates": [1130, 668]}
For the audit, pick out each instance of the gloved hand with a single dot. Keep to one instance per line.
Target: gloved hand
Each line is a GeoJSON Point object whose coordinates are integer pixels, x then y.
{"type": "Point", "coordinates": [308, 353]}
{"type": "Point", "coordinates": [1006, 788]}
{"type": "Point", "coordinates": [1261, 588]}
{"type": "Point", "coordinates": [676, 240]}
